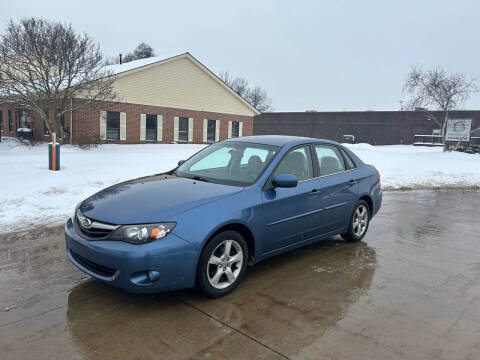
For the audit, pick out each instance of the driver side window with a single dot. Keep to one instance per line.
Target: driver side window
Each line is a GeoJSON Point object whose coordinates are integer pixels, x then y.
{"type": "Point", "coordinates": [297, 162]}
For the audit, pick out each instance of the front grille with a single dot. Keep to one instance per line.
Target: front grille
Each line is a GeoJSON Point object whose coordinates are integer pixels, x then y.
{"type": "Point", "coordinates": [90, 265]}
{"type": "Point", "coordinates": [93, 232]}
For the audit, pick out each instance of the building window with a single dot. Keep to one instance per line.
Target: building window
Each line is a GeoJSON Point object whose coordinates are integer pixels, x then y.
{"type": "Point", "coordinates": [113, 125]}
{"type": "Point", "coordinates": [10, 120]}
{"type": "Point", "coordinates": [183, 129]}
{"type": "Point", "coordinates": [151, 127]}
{"type": "Point", "coordinates": [25, 119]}
{"type": "Point", "coordinates": [235, 129]}
{"type": "Point", "coordinates": [1, 120]}
{"type": "Point", "coordinates": [211, 130]}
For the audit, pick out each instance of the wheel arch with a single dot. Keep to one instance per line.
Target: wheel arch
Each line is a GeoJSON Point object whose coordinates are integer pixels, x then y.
{"type": "Point", "coordinates": [243, 230]}
{"type": "Point", "coordinates": [239, 227]}
{"type": "Point", "coordinates": [368, 200]}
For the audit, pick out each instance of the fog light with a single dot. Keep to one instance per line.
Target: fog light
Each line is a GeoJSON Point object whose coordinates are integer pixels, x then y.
{"type": "Point", "coordinates": [153, 275]}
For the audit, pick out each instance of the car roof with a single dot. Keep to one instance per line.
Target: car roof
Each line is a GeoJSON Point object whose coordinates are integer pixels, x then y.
{"type": "Point", "coordinates": [279, 140]}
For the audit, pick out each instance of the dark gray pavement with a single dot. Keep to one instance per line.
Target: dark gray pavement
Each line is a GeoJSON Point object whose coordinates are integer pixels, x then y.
{"type": "Point", "coordinates": [411, 290]}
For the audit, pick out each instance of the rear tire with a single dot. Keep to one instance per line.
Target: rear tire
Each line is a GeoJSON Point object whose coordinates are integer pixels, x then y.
{"type": "Point", "coordinates": [359, 221]}
{"type": "Point", "coordinates": [223, 264]}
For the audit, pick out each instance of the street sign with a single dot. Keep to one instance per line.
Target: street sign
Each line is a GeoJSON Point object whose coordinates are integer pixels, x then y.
{"type": "Point", "coordinates": [458, 130]}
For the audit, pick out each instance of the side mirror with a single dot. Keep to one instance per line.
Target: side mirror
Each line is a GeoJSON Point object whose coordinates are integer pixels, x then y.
{"type": "Point", "coordinates": [285, 180]}
{"type": "Point", "coordinates": [181, 162]}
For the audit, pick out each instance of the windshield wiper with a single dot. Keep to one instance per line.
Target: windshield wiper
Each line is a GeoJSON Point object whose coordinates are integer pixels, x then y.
{"type": "Point", "coordinates": [199, 178]}
{"type": "Point", "coordinates": [195, 177]}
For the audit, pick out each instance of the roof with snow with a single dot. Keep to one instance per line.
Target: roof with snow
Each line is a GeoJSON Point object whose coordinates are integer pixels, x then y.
{"type": "Point", "coordinates": [120, 68]}
{"type": "Point", "coordinates": [138, 65]}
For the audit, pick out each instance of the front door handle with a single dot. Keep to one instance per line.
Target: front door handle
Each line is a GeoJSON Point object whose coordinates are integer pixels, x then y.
{"type": "Point", "coordinates": [352, 182]}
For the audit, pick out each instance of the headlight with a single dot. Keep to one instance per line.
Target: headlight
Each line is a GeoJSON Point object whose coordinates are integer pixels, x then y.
{"type": "Point", "coordinates": [141, 234]}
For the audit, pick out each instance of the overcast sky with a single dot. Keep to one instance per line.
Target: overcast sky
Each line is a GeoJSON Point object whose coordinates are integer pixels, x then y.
{"type": "Point", "coordinates": [335, 55]}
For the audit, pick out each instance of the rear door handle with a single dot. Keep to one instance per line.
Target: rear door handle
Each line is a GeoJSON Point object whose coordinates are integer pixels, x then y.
{"type": "Point", "coordinates": [314, 192]}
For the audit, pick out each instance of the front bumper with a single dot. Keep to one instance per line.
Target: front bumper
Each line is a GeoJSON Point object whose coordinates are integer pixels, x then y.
{"type": "Point", "coordinates": [172, 260]}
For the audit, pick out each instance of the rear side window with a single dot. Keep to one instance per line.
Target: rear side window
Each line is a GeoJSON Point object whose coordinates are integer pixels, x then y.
{"type": "Point", "coordinates": [330, 161]}
{"type": "Point", "coordinates": [348, 160]}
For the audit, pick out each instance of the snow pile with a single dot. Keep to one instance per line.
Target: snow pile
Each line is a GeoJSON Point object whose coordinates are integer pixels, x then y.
{"type": "Point", "coordinates": [30, 194]}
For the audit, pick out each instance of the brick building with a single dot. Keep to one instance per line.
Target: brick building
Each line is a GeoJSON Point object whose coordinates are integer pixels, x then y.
{"type": "Point", "coordinates": [159, 100]}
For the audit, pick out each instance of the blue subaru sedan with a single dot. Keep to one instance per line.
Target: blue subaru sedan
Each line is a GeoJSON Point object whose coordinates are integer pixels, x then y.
{"type": "Point", "coordinates": [233, 204]}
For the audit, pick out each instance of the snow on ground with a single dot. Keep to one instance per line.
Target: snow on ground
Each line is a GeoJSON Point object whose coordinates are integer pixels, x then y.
{"type": "Point", "coordinates": [418, 167]}
{"type": "Point", "coordinates": [30, 194]}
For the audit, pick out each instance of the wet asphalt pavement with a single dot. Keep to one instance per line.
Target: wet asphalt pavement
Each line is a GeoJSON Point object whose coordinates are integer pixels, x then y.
{"type": "Point", "coordinates": [411, 290]}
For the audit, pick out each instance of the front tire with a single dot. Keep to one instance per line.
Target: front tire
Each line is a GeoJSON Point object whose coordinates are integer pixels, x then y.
{"type": "Point", "coordinates": [359, 222]}
{"type": "Point", "coordinates": [222, 264]}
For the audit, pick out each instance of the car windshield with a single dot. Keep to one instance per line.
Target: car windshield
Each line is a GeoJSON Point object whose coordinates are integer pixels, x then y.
{"type": "Point", "coordinates": [230, 163]}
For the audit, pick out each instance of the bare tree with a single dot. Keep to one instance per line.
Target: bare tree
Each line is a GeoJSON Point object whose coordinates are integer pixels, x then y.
{"type": "Point", "coordinates": [259, 99]}
{"type": "Point", "coordinates": [256, 96]}
{"type": "Point", "coordinates": [142, 51]}
{"type": "Point", "coordinates": [46, 64]}
{"type": "Point", "coordinates": [111, 60]}
{"type": "Point", "coordinates": [238, 84]}
{"type": "Point", "coordinates": [127, 58]}
{"type": "Point", "coordinates": [225, 76]}
{"type": "Point", "coordinates": [437, 89]}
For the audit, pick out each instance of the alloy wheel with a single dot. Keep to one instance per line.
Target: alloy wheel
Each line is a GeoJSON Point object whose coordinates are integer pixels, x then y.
{"type": "Point", "coordinates": [360, 220]}
{"type": "Point", "coordinates": [225, 264]}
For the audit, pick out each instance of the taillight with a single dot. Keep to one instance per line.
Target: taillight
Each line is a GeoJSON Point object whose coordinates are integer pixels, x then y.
{"type": "Point", "coordinates": [378, 175]}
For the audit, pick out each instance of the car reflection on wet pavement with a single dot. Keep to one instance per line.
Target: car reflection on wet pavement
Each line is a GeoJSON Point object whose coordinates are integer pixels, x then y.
{"type": "Point", "coordinates": [410, 290]}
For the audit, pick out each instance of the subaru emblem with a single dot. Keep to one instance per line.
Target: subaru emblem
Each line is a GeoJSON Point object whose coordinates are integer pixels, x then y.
{"type": "Point", "coordinates": [86, 222]}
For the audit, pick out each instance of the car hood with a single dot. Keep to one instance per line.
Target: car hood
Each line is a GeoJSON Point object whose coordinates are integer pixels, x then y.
{"type": "Point", "coordinates": [151, 199]}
